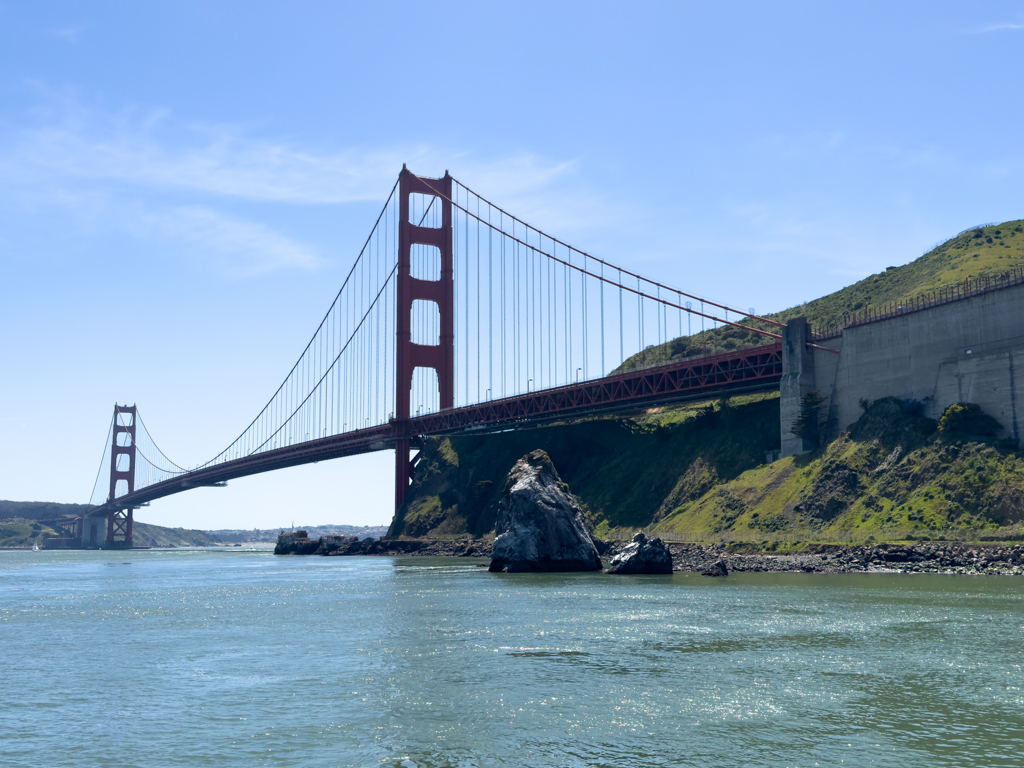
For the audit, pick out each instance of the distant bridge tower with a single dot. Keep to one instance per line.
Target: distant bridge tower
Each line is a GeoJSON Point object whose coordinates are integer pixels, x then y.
{"type": "Point", "coordinates": [122, 482]}
{"type": "Point", "coordinates": [441, 356]}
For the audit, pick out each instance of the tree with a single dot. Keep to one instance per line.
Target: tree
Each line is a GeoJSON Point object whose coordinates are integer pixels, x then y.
{"type": "Point", "coordinates": [806, 425]}
{"type": "Point", "coordinates": [968, 420]}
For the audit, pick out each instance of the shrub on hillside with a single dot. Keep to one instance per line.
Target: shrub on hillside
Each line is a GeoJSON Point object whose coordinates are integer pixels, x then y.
{"type": "Point", "coordinates": [806, 426]}
{"type": "Point", "coordinates": [892, 422]}
{"type": "Point", "coordinates": [967, 420]}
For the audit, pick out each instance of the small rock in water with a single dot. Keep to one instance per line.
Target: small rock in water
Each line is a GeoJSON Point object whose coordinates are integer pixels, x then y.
{"type": "Point", "coordinates": [718, 569]}
{"type": "Point", "coordinates": [642, 556]}
{"type": "Point", "coordinates": [540, 527]}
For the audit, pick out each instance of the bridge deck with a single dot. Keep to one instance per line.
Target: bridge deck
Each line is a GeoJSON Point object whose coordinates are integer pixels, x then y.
{"type": "Point", "coordinates": [748, 369]}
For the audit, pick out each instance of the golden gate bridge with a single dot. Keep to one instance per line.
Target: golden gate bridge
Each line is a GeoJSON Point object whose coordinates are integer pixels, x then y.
{"type": "Point", "coordinates": [455, 316]}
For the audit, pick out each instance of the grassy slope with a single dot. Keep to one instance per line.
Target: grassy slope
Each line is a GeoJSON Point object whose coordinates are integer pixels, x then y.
{"type": "Point", "coordinates": [23, 532]}
{"type": "Point", "coordinates": [986, 251]}
{"type": "Point", "coordinates": [893, 473]}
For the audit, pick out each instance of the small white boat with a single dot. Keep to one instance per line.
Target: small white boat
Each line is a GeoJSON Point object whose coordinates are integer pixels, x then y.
{"type": "Point", "coordinates": [35, 546]}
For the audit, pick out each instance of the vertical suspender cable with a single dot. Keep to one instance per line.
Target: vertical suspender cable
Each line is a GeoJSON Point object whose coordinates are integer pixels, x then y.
{"type": "Point", "coordinates": [622, 343]}
{"type": "Point", "coordinates": [601, 285]}
{"type": "Point", "coordinates": [490, 303]}
{"type": "Point", "coordinates": [477, 299]}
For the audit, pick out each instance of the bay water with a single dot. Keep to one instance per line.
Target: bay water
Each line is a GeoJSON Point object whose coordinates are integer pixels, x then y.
{"type": "Point", "coordinates": [233, 658]}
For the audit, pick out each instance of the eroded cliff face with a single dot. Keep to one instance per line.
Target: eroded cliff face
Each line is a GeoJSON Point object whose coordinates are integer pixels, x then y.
{"type": "Point", "coordinates": [624, 473]}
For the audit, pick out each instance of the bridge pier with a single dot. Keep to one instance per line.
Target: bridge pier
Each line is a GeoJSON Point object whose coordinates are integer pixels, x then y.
{"type": "Point", "coordinates": [797, 382]}
{"type": "Point", "coordinates": [403, 472]}
{"type": "Point", "coordinates": [107, 529]}
{"type": "Point", "coordinates": [119, 529]}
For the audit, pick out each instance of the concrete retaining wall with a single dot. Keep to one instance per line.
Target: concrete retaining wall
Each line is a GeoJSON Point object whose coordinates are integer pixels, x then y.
{"type": "Point", "coordinates": [965, 351]}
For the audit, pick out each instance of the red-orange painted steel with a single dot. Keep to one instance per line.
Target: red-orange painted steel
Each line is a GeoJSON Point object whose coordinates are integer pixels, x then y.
{"type": "Point", "coordinates": [440, 357]}
{"type": "Point", "coordinates": [119, 521]}
{"type": "Point", "coordinates": [760, 366]}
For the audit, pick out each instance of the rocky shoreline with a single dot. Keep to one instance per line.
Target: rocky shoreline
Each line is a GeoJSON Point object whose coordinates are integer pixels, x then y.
{"type": "Point", "coordinates": [931, 557]}
{"type": "Point", "coordinates": [926, 557]}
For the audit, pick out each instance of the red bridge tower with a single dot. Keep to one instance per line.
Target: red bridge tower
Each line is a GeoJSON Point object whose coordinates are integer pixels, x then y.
{"type": "Point", "coordinates": [122, 471]}
{"type": "Point", "coordinates": [440, 357]}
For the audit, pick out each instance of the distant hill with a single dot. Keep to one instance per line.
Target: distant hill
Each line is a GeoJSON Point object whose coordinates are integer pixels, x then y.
{"type": "Point", "coordinates": [20, 526]}
{"type": "Point", "coordinates": [977, 252]}
{"type": "Point", "coordinates": [255, 535]}
{"type": "Point", "coordinates": [146, 535]}
{"type": "Point", "coordinates": [40, 510]}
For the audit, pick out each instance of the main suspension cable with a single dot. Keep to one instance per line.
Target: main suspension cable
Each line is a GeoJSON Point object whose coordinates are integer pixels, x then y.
{"type": "Point", "coordinates": [609, 264]}
{"type": "Point", "coordinates": [639, 293]}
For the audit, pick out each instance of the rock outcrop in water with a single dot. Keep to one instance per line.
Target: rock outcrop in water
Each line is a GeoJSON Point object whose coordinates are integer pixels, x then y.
{"type": "Point", "coordinates": [330, 544]}
{"type": "Point", "coordinates": [540, 527]}
{"type": "Point", "coordinates": [717, 569]}
{"type": "Point", "coordinates": [642, 556]}
{"type": "Point", "coordinates": [295, 543]}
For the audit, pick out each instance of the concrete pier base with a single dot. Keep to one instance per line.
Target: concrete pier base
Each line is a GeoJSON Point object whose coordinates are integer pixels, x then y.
{"type": "Point", "coordinates": [797, 382]}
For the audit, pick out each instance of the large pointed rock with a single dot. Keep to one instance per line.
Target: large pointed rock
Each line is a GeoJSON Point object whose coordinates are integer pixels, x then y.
{"type": "Point", "coordinates": [540, 527]}
{"type": "Point", "coordinates": [643, 555]}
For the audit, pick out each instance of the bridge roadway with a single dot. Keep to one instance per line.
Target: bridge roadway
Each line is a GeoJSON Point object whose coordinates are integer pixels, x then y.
{"type": "Point", "coordinates": [745, 370]}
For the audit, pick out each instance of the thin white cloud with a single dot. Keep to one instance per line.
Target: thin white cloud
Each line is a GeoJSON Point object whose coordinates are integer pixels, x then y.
{"type": "Point", "coordinates": [814, 144]}
{"type": "Point", "coordinates": [224, 165]}
{"type": "Point", "coordinates": [179, 178]}
{"type": "Point", "coordinates": [1000, 28]}
{"type": "Point", "coordinates": [149, 149]}
{"type": "Point", "coordinates": [70, 34]}
{"type": "Point", "coordinates": [242, 247]}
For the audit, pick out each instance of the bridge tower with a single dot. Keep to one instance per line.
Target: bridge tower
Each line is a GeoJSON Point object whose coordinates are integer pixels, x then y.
{"type": "Point", "coordinates": [122, 467]}
{"type": "Point", "coordinates": [441, 356]}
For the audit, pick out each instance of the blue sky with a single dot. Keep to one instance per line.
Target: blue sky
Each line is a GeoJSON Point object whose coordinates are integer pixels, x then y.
{"type": "Point", "coordinates": [185, 184]}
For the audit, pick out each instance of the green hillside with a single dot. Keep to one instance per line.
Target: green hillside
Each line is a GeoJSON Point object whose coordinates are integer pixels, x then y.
{"type": "Point", "coordinates": [21, 533]}
{"type": "Point", "coordinates": [894, 472]}
{"type": "Point", "coordinates": [979, 252]}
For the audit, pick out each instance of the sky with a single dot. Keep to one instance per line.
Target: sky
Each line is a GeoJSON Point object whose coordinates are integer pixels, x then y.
{"type": "Point", "coordinates": [184, 185]}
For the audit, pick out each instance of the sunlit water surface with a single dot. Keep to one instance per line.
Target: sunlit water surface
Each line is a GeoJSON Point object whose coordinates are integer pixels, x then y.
{"type": "Point", "coordinates": [228, 658]}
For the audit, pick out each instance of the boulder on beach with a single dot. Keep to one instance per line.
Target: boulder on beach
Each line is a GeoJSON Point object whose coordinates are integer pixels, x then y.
{"type": "Point", "coordinates": [717, 569]}
{"type": "Point", "coordinates": [643, 555]}
{"type": "Point", "coordinates": [540, 527]}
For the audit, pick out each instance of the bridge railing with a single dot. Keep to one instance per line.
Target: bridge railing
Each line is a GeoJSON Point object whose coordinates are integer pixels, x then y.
{"type": "Point", "coordinates": [957, 292]}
